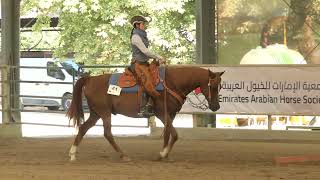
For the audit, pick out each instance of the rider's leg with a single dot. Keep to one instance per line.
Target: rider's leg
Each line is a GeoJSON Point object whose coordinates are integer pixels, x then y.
{"type": "Point", "coordinates": [146, 106]}
{"type": "Point", "coordinates": [149, 104]}
{"type": "Point", "coordinates": [143, 104]}
{"type": "Point", "coordinates": [145, 78]}
{"type": "Point", "coordinates": [146, 81]}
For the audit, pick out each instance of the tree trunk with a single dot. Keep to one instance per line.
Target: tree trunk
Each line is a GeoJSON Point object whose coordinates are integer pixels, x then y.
{"type": "Point", "coordinates": [300, 33]}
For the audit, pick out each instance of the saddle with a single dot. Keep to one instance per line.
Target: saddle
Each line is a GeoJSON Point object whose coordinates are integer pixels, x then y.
{"type": "Point", "coordinates": [127, 78]}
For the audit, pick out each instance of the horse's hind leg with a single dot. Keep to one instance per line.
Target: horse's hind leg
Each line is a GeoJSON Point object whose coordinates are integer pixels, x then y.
{"type": "Point", "coordinates": [91, 121]}
{"type": "Point", "coordinates": [106, 118]}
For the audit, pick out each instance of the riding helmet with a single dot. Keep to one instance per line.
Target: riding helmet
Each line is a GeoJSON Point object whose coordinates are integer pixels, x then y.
{"type": "Point", "coordinates": [138, 19]}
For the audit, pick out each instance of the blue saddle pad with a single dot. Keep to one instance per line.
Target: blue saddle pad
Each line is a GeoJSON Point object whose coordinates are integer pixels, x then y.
{"type": "Point", "coordinates": [114, 81]}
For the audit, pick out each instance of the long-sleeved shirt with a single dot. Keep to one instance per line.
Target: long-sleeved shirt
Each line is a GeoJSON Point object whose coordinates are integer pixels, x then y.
{"type": "Point", "coordinates": [137, 41]}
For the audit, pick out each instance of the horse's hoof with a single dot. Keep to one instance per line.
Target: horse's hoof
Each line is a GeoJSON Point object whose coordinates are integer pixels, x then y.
{"type": "Point", "coordinates": [163, 154]}
{"type": "Point", "coordinates": [72, 159]}
{"type": "Point", "coordinates": [125, 159]}
{"type": "Point", "coordinates": [164, 159]}
{"type": "Point", "coordinates": [159, 158]}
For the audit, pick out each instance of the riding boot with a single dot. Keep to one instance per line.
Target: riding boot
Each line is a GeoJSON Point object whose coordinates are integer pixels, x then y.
{"type": "Point", "coordinates": [146, 108]}
{"type": "Point", "coordinates": [149, 106]}
{"type": "Point", "coordinates": [143, 111]}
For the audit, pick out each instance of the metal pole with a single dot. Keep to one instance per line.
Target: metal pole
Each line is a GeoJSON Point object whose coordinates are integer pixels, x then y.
{"type": "Point", "coordinates": [10, 52]}
{"type": "Point", "coordinates": [205, 33]}
{"type": "Point", "coordinates": [269, 122]}
{"type": "Point", "coordinates": [5, 89]}
{"type": "Point", "coordinates": [206, 43]}
{"type": "Point", "coordinates": [10, 56]}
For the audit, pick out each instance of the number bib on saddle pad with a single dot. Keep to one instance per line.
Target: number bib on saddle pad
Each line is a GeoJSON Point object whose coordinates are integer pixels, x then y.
{"type": "Point", "coordinates": [129, 84]}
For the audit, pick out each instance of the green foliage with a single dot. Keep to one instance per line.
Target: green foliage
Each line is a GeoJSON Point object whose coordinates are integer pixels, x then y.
{"type": "Point", "coordinates": [98, 31]}
{"type": "Point", "coordinates": [241, 22]}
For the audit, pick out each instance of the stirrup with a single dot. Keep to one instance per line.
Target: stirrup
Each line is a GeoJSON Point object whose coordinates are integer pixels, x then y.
{"type": "Point", "coordinates": [145, 112]}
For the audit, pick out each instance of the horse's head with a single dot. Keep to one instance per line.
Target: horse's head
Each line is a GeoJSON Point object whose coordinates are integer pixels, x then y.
{"type": "Point", "coordinates": [211, 90]}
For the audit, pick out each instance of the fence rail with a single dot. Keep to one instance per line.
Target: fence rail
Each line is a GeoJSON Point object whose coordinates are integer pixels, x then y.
{"type": "Point", "coordinates": [6, 81]}
{"type": "Point", "coordinates": [7, 96]}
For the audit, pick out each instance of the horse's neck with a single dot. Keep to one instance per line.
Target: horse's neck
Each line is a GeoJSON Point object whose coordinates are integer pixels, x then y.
{"type": "Point", "coordinates": [188, 78]}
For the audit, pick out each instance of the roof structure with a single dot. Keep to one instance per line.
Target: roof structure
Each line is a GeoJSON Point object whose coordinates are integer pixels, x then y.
{"type": "Point", "coordinates": [29, 22]}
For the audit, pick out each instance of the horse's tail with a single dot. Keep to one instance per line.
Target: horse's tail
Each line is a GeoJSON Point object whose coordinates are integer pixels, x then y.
{"type": "Point", "coordinates": [75, 111]}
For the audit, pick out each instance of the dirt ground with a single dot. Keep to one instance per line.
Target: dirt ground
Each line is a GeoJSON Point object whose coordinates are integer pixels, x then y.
{"type": "Point", "coordinates": [48, 159]}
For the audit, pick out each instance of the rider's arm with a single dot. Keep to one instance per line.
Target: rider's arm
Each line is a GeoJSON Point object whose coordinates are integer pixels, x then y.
{"type": "Point", "coordinates": [137, 41]}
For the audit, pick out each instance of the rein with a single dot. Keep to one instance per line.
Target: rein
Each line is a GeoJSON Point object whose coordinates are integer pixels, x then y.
{"type": "Point", "coordinates": [209, 86]}
{"type": "Point", "coordinates": [211, 82]}
{"type": "Point", "coordinates": [174, 94]}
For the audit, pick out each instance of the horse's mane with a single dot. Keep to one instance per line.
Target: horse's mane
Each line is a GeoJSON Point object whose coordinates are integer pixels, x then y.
{"type": "Point", "coordinates": [185, 78]}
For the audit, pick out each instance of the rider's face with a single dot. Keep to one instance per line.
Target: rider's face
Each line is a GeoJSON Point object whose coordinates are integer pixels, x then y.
{"type": "Point", "coordinates": [142, 26]}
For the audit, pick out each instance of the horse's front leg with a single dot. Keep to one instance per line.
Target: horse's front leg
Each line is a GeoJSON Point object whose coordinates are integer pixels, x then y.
{"type": "Point", "coordinates": [169, 142]}
{"type": "Point", "coordinates": [169, 135]}
{"type": "Point", "coordinates": [108, 135]}
{"type": "Point", "coordinates": [173, 139]}
{"type": "Point", "coordinates": [166, 138]}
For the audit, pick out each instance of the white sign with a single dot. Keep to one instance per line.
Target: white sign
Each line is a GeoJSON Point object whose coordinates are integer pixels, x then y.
{"type": "Point", "coordinates": [114, 90]}
{"type": "Point", "coordinates": [267, 89]}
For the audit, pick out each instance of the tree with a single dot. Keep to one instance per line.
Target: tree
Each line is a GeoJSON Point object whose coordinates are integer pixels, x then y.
{"type": "Point", "coordinates": [98, 31]}
{"type": "Point", "coordinates": [300, 24]}
{"type": "Point", "coordinates": [241, 23]}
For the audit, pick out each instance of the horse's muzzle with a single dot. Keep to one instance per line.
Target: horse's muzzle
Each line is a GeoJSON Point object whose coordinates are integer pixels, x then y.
{"type": "Point", "coordinates": [215, 107]}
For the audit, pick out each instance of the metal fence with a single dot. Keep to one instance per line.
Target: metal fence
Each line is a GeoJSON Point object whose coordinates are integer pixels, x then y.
{"type": "Point", "coordinates": [11, 98]}
{"type": "Point", "coordinates": [11, 107]}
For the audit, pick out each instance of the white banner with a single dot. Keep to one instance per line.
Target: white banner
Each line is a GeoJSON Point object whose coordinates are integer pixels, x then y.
{"type": "Point", "coordinates": [270, 90]}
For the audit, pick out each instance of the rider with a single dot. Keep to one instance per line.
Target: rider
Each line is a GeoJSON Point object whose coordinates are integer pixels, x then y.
{"type": "Point", "coordinates": [140, 59]}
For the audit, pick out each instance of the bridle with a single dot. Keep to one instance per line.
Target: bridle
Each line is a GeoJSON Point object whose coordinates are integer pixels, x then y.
{"type": "Point", "coordinates": [212, 82]}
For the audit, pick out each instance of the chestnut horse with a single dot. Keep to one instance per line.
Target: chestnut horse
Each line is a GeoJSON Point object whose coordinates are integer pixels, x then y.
{"type": "Point", "coordinates": [179, 82]}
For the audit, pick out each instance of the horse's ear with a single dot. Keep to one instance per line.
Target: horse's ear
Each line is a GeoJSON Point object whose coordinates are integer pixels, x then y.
{"type": "Point", "coordinates": [216, 73]}
{"type": "Point", "coordinates": [220, 73]}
